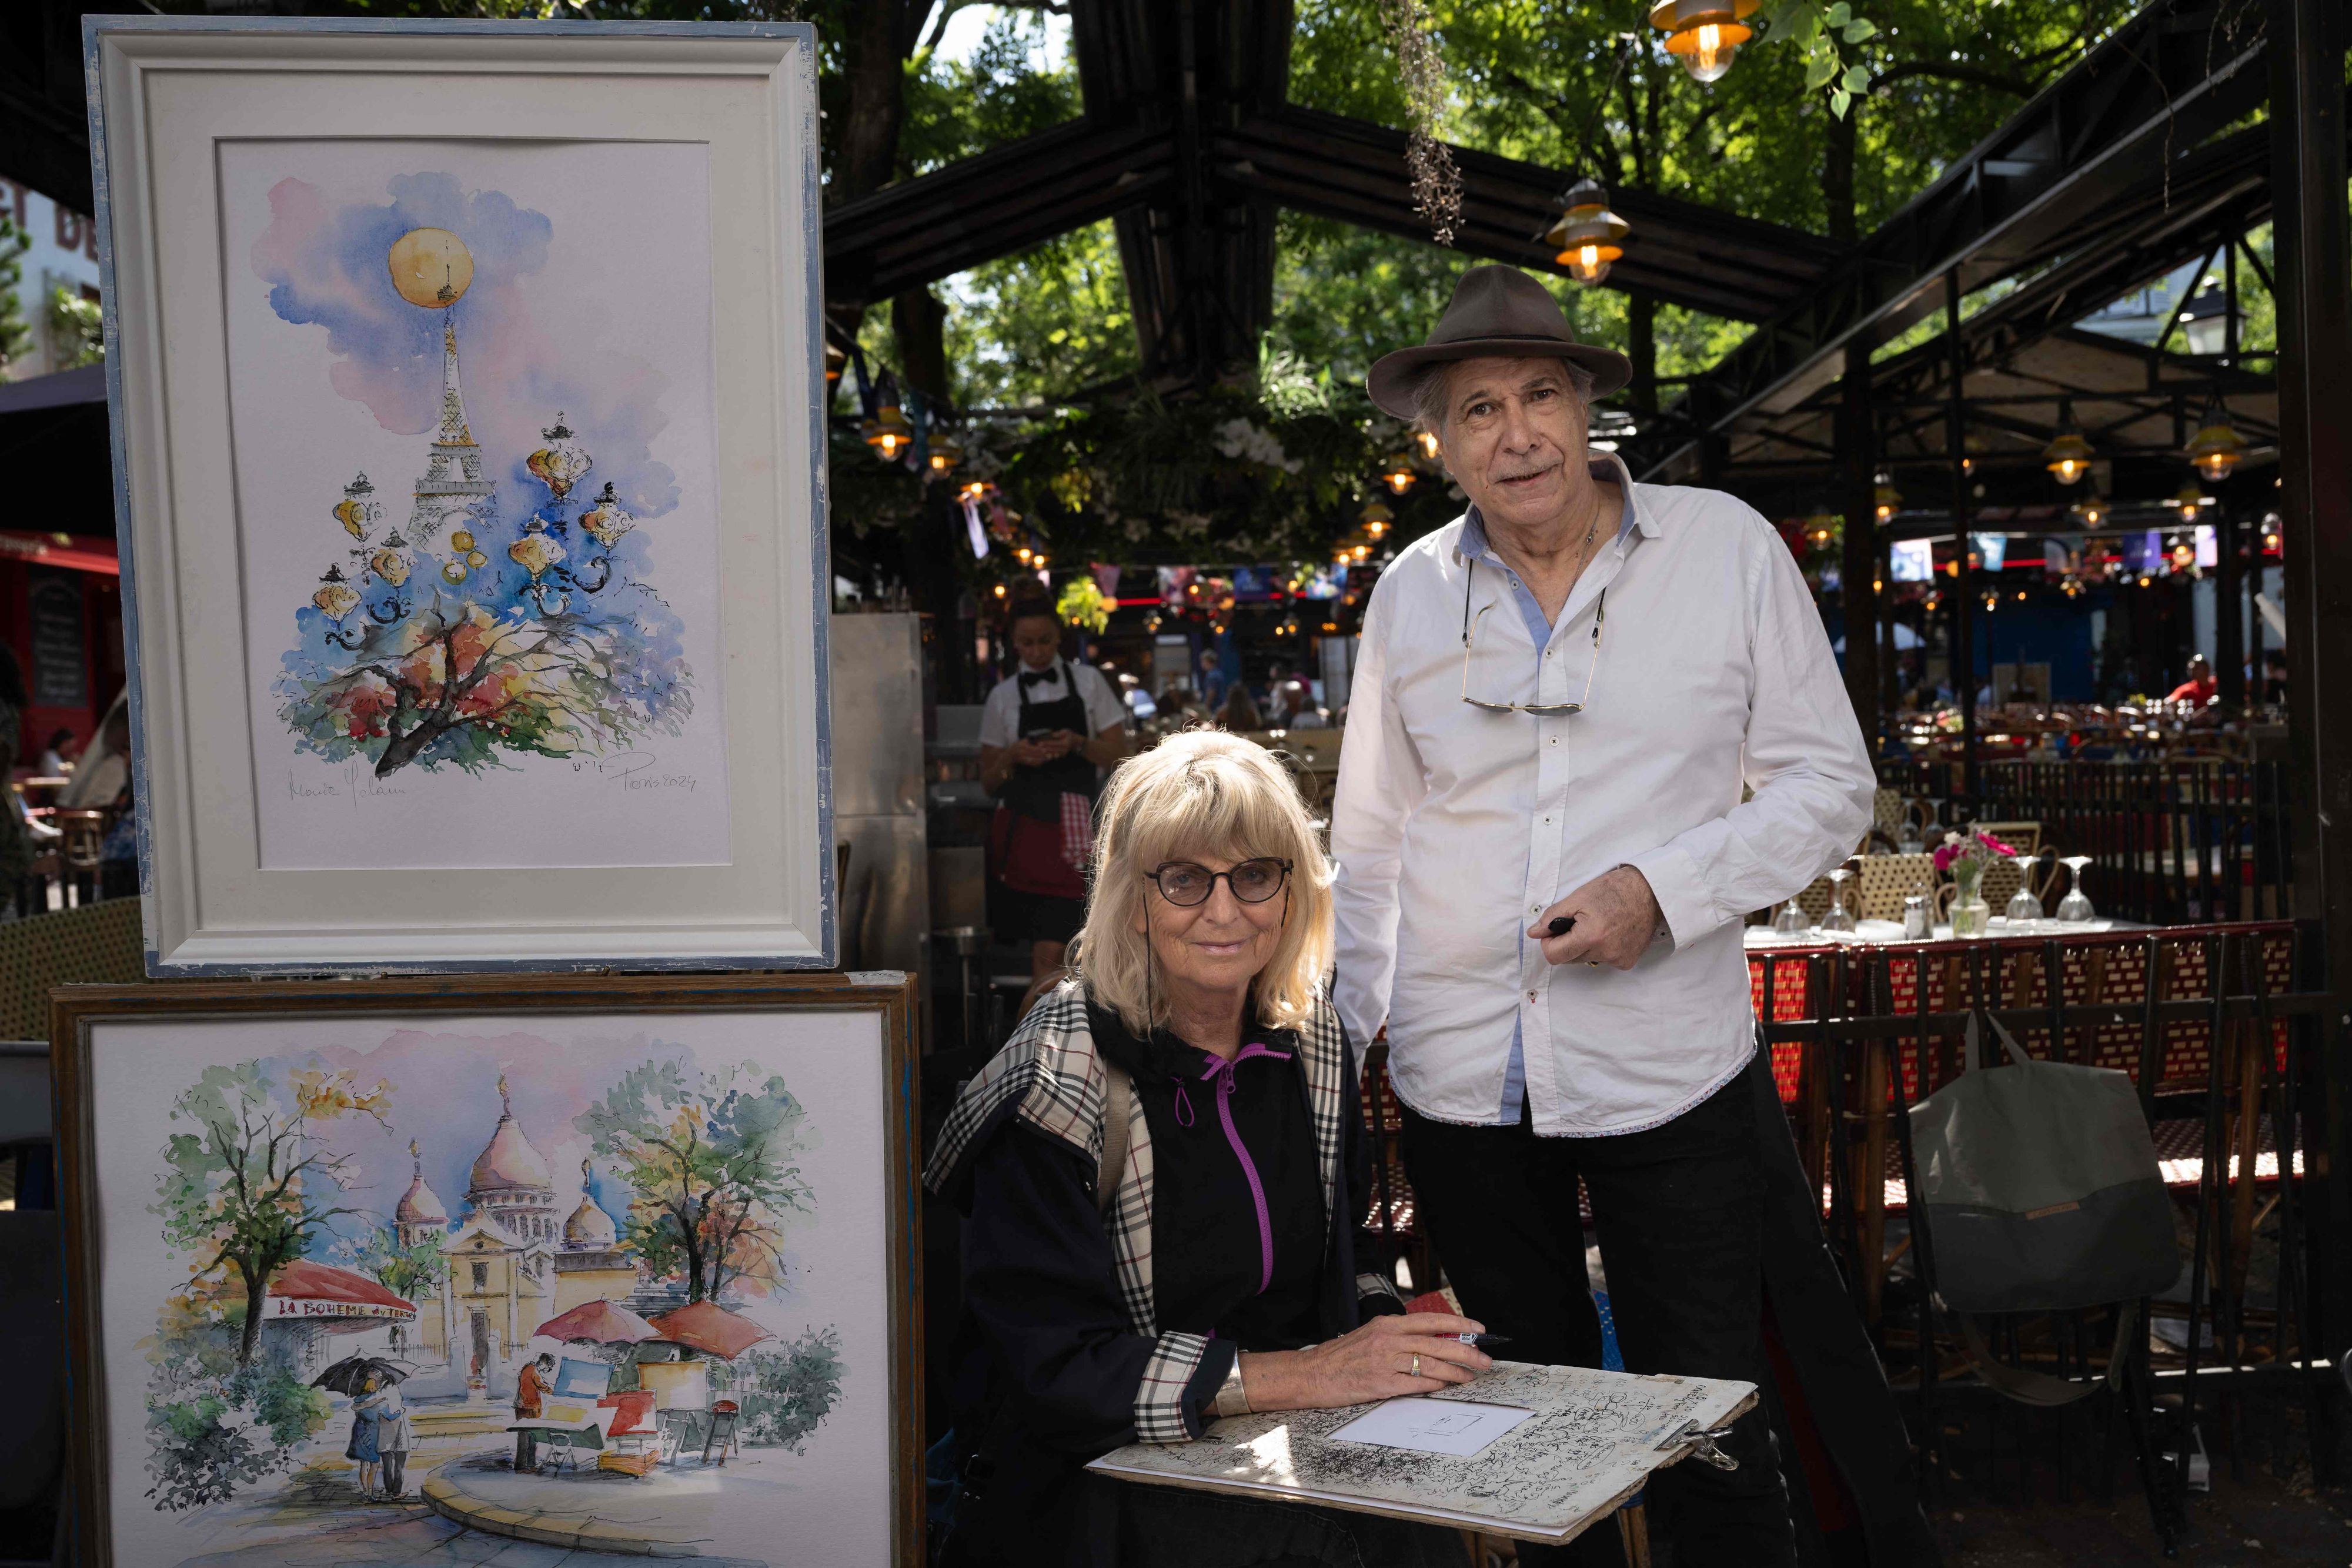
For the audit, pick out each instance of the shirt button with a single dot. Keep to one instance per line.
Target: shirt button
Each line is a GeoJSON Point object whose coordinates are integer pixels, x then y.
{"type": "Point", "coordinates": [1536, 908]}
{"type": "Point", "coordinates": [1531, 995]}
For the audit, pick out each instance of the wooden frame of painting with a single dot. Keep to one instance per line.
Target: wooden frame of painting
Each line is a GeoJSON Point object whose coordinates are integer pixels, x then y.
{"type": "Point", "coordinates": [741, 1228]}
{"type": "Point", "coordinates": [468, 421]}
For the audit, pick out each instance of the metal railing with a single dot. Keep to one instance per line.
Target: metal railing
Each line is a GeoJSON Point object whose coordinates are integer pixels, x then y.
{"type": "Point", "coordinates": [2199, 839]}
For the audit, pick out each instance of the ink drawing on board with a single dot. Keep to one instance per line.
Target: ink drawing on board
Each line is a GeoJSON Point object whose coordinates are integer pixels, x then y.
{"type": "Point", "coordinates": [376, 1290]}
{"type": "Point", "coordinates": [471, 402]}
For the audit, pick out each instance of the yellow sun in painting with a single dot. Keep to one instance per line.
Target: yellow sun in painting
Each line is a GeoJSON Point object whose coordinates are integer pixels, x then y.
{"type": "Point", "coordinates": [431, 267]}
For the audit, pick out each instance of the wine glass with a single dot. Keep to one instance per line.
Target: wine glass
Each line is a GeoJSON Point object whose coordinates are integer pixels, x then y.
{"type": "Point", "coordinates": [1838, 918]}
{"type": "Point", "coordinates": [1790, 921]}
{"type": "Point", "coordinates": [2023, 907]}
{"type": "Point", "coordinates": [2074, 906]}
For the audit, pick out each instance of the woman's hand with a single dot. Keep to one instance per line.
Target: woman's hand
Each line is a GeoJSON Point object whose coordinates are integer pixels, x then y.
{"type": "Point", "coordinates": [1376, 1361]}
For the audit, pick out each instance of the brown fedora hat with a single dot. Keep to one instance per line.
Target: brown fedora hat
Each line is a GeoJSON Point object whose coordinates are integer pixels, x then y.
{"type": "Point", "coordinates": [1495, 311]}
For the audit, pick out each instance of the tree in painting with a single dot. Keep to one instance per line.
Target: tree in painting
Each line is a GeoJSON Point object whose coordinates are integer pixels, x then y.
{"type": "Point", "coordinates": [245, 1189]}
{"type": "Point", "coordinates": [451, 648]}
{"type": "Point", "coordinates": [708, 1157]}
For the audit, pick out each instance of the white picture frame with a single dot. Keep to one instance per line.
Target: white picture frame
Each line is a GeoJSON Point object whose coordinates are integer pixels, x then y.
{"type": "Point", "coordinates": [709, 843]}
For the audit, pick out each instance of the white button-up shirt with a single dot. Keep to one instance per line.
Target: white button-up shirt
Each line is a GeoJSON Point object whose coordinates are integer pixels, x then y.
{"type": "Point", "coordinates": [1454, 827]}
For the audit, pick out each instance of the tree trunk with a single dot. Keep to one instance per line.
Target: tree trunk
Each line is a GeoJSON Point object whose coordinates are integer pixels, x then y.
{"type": "Point", "coordinates": [919, 322]}
{"type": "Point", "coordinates": [403, 748]}
{"type": "Point", "coordinates": [1837, 175]}
{"type": "Point", "coordinates": [255, 1290]}
{"type": "Point", "coordinates": [1641, 348]}
{"type": "Point", "coordinates": [874, 66]}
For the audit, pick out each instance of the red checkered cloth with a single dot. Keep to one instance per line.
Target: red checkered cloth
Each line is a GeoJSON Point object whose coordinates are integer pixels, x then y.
{"type": "Point", "coordinates": [1077, 830]}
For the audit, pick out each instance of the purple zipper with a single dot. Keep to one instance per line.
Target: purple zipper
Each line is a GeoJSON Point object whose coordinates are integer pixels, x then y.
{"type": "Point", "coordinates": [1221, 1071]}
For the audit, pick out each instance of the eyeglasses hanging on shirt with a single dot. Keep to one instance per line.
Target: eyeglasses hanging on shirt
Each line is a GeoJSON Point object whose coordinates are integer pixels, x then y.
{"type": "Point", "coordinates": [1542, 710]}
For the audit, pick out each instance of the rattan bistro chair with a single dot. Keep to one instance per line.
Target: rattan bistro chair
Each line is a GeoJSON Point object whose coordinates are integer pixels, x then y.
{"type": "Point", "coordinates": [1887, 880]}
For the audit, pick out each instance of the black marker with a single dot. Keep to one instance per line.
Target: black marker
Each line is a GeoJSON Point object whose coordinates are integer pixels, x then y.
{"type": "Point", "coordinates": [1563, 925]}
{"type": "Point", "coordinates": [1482, 1341]}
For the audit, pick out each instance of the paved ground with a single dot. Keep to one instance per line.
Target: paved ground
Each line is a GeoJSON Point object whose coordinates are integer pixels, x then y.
{"type": "Point", "coordinates": [311, 1522]}
{"type": "Point", "coordinates": [2264, 1521]}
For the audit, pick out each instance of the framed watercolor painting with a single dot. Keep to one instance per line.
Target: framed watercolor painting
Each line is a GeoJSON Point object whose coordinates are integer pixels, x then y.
{"type": "Point", "coordinates": [467, 383]}
{"type": "Point", "coordinates": [422, 1269]}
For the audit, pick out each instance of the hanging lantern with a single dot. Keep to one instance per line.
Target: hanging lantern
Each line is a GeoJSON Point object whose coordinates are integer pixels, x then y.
{"type": "Point", "coordinates": [1428, 439]}
{"type": "Point", "coordinates": [1397, 475]}
{"type": "Point", "coordinates": [2217, 448]}
{"type": "Point", "coordinates": [2183, 553]}
{"type": "Point", "coordinates": [1820, 528]}
{"type": "Point", "coordinates": [335, 598]}
{"type": "Point", "coordinates": [559, 464]}
{"type": "Point", "coordinates": [835, 361]}
{"type": "Point", "coordinates": [943, 453]}
{"type": "Point", "coordinates": [887, 432]}
{"type": "Point", "coordinates": [1588, 232]}
{"type": "Point", "coordinates": [534, 552]}
{"type": "Point", "coordinates": [607, 520]}
{"type": "Point", "coordinates": [1703, 35]}
{"type": "Point", "coordinates": [2189, 498]}
{"type": "Point", "coordinates": [1889, 498]}
{"type": "Point", "coordinates": [391, 564]}
{"type": "Point", "coordinates": [2069, 455]}
{"type": "Point", "coordinates": [2088, 512]}
{"type": "Point", "coordinates": [1377, 519]}
{"type": "Point", "coordinates": [355, 511]}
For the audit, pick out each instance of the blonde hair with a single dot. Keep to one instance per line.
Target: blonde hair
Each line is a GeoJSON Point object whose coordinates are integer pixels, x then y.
{"type": "Point", "coordinates": [1202, 792]}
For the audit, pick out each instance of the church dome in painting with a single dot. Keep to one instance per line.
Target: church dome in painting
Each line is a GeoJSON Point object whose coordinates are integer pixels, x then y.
{"type": "Point", "coordinates": [419, 1206]}
{"type": "Point", "coordinates": [509, 1164]}
{"type": "Point", "coordinates": [590, 1225]}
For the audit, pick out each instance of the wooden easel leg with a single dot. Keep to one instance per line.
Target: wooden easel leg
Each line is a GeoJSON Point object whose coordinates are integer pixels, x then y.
{"type": "Point", "coordinates": [1633, 1530]}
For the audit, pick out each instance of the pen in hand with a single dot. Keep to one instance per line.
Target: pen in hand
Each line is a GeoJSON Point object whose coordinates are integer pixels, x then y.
{"type": "Point", "coordinates": [1481, 1340]}
{"type": "Point", "coordinates": [1562, 924]}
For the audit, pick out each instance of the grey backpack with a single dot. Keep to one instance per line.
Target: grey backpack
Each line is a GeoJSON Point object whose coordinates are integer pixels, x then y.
{"type": "Point", "coordinates": [2040, 1191]}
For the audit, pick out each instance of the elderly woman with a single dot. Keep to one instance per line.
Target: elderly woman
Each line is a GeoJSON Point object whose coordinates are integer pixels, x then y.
{"type": "Point", "coordinates": [1217, 1274]}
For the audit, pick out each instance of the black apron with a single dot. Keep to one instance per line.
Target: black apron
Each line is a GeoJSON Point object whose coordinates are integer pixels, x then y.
{"type": "Point", "coordinates": [1028, 845]}
{"type": "Point", "coordinates": [1036, 791]}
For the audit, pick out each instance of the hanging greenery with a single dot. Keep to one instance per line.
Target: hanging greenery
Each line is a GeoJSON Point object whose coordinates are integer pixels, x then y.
{"type": "Point", "coordinates": [1816, 28]}
{"type": "Point", "coordinates": [1436, 182]}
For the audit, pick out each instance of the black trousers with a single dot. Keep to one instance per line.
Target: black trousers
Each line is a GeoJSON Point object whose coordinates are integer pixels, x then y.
{"type": "Point", "coordinates": [395, 1465]}
{"type": "Point", "coordinates": [1679, 1209]}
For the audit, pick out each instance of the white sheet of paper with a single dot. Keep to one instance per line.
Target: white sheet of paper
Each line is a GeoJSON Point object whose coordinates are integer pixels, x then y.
{"type": "Point", "coordinates": [1452, 1426]}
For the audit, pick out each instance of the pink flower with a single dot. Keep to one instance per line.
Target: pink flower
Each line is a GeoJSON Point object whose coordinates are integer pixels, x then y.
{"type": "Point", "coordinates": [1945, 855]}
{"type": "Point", "coordinates": [1995, 845]}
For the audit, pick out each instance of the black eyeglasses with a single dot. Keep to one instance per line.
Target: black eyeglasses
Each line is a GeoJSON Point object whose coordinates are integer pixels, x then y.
{"type": "Point", "coordinates": [1184, 885]}
{"type": "Point", "coordinates": [1542, 710]}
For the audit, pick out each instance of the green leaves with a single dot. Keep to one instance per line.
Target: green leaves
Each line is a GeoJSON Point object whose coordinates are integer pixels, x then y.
{"type": "Point", "coordinates": [1816, 30]}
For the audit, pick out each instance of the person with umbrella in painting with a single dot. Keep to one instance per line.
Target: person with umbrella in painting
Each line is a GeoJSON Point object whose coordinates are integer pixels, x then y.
{"type": "Point", "coordinates": [362, 1446]}
{"type": "Point", "coordinates": [383, 1401]}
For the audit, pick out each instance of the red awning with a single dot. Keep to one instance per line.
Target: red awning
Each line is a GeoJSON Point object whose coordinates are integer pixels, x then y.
{"type": "Point", "coordinates": [307, 1289]}
{"type": "Point", "coordinates": [709, 1327]}
{"type": "Point", "coordinates": [73, 552]}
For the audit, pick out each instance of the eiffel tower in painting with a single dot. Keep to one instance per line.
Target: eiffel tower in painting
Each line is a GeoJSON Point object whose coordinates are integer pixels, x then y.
{"type": "Point", "coordinates": [452, 482]}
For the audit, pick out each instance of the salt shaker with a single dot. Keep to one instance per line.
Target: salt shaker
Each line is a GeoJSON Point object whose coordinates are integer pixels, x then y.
{"type": "Point", "coordinates": [1915, 915]}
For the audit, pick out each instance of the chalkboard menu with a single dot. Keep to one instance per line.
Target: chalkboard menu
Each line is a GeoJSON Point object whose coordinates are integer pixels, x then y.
{"type": "Point", "coordinates": [60, 646]}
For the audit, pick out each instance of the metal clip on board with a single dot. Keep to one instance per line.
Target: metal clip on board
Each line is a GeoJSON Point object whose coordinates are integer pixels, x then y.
{"type": "Point", "coordinates": [1699, 1443]}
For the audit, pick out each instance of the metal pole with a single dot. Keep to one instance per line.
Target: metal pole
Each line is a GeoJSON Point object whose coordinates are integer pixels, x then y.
{"type": "Point", "coordinates": [2229, 634]}
{"type": "Point", "coordinates": [1858, 568]}
{"type": "Point", "coordinates": [2306, 52]}
{"type": "Point", "coordinates": [1964, 584]}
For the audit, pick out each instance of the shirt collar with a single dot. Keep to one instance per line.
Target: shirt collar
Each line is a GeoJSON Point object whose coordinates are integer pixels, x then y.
{"type": "Point", "coordinates": [1605, 465]}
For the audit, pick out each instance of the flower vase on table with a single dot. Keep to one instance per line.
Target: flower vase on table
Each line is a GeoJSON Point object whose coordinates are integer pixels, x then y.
{"type": "Point", "coordinates": [1964, 856]}
{"type": "Point", "coordinates": [1971, 916]}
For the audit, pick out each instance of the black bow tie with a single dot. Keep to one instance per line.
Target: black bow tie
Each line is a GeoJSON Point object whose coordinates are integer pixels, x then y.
{"type": "Point", "coordinates": [1038, 677]}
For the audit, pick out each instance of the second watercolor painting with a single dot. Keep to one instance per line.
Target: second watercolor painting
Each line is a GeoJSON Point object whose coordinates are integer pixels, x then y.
{"type": "Point", "coordinates": [384, 1280]}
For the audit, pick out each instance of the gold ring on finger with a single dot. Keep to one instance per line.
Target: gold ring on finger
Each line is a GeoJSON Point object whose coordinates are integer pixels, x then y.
{"type": "Point", "coordinates": [1416, 1366]}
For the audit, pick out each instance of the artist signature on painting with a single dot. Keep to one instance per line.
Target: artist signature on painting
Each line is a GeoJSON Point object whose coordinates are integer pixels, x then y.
{"type": "Point", "coordinates": [634, 770]}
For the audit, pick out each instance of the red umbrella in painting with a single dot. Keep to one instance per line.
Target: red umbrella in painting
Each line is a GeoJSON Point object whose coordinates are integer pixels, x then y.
{"type": "Point", "coordinates": [598, 1322]}
{"type": "Point", "coordinates": [711, 1328]}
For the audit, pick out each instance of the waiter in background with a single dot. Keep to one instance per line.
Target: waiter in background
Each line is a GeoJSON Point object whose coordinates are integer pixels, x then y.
{"type": "Point", "coordinates": [1046, 734]}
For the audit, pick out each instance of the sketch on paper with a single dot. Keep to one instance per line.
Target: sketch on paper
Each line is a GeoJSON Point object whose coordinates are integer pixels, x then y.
{"type": "Point", "coordinates": [1568, 1443]}
{"type": "Point", "coordinates": [628, 1319]}
{"type": "Point", "coordinates": [472, 412]}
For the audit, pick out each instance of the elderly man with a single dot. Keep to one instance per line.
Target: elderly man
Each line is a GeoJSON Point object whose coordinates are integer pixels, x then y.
{"type": "Point", "coordinates": [1545, 860]}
